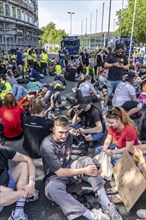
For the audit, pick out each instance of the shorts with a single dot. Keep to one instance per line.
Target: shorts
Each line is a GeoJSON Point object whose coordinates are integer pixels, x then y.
{"type": "Point", "coordinates": [111, 86]}
{"type": "Point", "coordinates": [127, 106]}
{"type": "Point", "coordinates": [11, 184]}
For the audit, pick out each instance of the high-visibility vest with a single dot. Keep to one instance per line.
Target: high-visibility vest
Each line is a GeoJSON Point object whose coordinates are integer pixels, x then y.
{"type": "Point", "coordinates": [58, 69]}
{"type": "Point", "coordinates": [34, 56]}
{"type": "Point", "coordinates": [6, 88]}
{"type": "Point", "coordinates": [44, 58]}
{"type": "Point", "coordinates": [14, 57]}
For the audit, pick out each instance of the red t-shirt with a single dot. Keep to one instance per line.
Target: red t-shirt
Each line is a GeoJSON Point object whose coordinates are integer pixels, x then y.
{"type": "Point", "coordinates": [11, 121]}
{"type": "Point", "coordinates": [127, 134]}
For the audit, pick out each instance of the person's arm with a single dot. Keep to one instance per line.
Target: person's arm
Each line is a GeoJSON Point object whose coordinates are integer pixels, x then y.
{"type": "Point", "coordinates": [140, 158]}
{"type": "Point", "coordinates": [96, 129]}
{"type": "Point", "coordinates": [107, 142]}
{"type": "Point", "coordinates": [133, 98]}
{"type": "Point", "coordinates": [120, 151]}
{"type": "Point", "coordinates": [30, 187]}
{"type": "Point", "coordinates": [76, 119]}
{"type": "Point", "coordinates": [8, 196]}
{"type": "Point", "coordinates": [90, 170]}
{"type": "Point", "coordinates": [125, 67]}
{"type": "Point", "coordinates": [108, 65]}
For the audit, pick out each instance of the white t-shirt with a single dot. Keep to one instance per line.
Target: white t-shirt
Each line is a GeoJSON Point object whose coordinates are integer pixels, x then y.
{"type": "Point", "coordinates": [86, 88]}
{"type": "Point", "coordinates": [123, 93]}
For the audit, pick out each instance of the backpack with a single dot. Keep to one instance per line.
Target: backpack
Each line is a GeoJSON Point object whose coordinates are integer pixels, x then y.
{"type": "Point", "coordinates": [79, 146]}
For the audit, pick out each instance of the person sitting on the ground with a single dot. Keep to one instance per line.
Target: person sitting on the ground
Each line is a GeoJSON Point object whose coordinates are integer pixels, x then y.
{"type": "Point", "coordinates": [16, 184]}
{"type": "Point", "coordinates": [36, 127]}
{"type": "Point", "coordinates": [122, 134]}
{"type": "Point", "coordinates": [34, 74]}
{"type": "Point", "coordinates": [5, 87]}
{"type": "Point", "coordinates": [10, 115]}
{"type": "Point", "coordinates": [125, 95]}
{"type": "Point", "coordinates": [9, 77]}
{"type": "Point", "coordinates": [94, 123]}
{"type": "Point", "coordinates": [87, 89]}
{"type": "Point", "coordinates": [56, 156]}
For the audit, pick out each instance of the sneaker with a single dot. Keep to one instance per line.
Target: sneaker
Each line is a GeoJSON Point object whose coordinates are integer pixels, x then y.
{"type": "Point", "coordinates": [99, 215]}
{"type": "Point", "coordinates": [141, 213]}
{"type": "Point", "coordinates": [21, 216]}
{"type": "Point", "coordinates": [112, 212]}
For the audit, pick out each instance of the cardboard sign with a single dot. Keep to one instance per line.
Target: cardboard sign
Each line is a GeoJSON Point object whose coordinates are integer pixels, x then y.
{"type": "Point", "coordinates": [129, 180]}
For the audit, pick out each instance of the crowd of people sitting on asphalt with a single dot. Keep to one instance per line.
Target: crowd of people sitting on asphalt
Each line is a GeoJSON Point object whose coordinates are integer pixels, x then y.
{"type": "Point", "coordinates": [107, 113]}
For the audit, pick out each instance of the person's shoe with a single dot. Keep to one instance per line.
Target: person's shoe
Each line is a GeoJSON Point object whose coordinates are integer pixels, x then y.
{"type": "Point", "coordinates": [99, 215]}
{"type": "Point", "coordinates": [21, 216]}
{"type": "Point", "coordinates": [112, 212]}
{"type": "Point", "coordinates": [141, 213]}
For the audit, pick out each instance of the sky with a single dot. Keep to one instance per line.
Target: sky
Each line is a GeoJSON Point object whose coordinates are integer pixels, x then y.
{"type": "Point", "coordinates": [56, 11]}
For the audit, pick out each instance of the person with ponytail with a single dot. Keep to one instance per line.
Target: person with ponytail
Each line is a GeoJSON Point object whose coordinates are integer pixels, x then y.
{"type": "Point", "coordinates": [122, 134]}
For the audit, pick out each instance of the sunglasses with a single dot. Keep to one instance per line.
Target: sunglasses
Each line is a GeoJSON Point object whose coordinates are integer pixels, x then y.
{"type": "Point", "coordinates": [120, 52]}
{"type": "Point", "coordinates": [110, 112]}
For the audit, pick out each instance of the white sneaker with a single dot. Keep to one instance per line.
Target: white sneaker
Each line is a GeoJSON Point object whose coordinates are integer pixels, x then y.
{"type": "Point", "coordinates": [99, 215]}
{"type": "Point", "coordinates": [112, 212]}
{"type": "Point", "coordinates": [141, 213]}
{"type": "Point", "coordinates": [21, 216]}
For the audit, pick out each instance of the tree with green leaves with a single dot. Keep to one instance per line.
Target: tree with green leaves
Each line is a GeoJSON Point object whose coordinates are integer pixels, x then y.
{"type": "Point", "coordinates": [125, 21]}
{"type": "Point", "coordinates": [51, 35]}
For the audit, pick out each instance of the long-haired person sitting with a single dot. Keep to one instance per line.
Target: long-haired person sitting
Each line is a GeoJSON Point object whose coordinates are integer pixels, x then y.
{"type": "Point", "coordinates": [122, 134]}
{"type": "Point", "coordinates": [10, 115]}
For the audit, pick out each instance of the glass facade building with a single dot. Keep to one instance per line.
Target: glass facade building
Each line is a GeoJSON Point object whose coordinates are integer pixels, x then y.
{"type": "Point", "coordinates": [19, 25]}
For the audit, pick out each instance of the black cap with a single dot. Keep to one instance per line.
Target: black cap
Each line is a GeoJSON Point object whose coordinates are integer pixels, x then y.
{"type": "Point", "coordinates": [129, 74]}
{"type": "Point", "coordinates": [85, 102]}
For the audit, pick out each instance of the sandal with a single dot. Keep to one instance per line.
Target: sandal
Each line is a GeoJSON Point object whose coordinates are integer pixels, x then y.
{"type": "Point", "coordinates": [112, 191]}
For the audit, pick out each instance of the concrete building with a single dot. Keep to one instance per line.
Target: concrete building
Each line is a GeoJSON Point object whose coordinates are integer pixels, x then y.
{"type": "Point", "coordinates": [18, 23]}
{"type": "Point", "coordinates": [96, 40]}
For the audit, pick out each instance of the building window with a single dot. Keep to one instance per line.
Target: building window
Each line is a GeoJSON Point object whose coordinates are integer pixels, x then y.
{"type": "Point", "coordinates": [1, 9]}
{"type": "Point", "coordinates": [18, 14]}
{"type": "Point", "coordinates": [13, 12]}
{"type": "Point", "coordinates": [7, 10]}
{"type": "Point", "coordinates": [22, 15]}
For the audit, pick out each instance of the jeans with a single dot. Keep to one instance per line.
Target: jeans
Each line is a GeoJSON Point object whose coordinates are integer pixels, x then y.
{"type": "Point", "coordinates": [114, 157]}
{"type": "Point", "coordinates": [44, 68]}
{"type": "Point", "coordinates": [97, 136]}
{"type": "Point", "coordinates": [19, 91]}
{"type": "Point", "coordinates": [111, 86]}
{"type": "Point", "coordinates": [56, 98]}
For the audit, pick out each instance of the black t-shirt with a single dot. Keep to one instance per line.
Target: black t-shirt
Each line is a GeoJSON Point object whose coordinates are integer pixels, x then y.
{"type": "Point", "coordinates": [55, 155]}
{"type": "Point", "coordinates": [92, 116]}
{"type": "Point", "coordinates": [6, 154]}
{"type": "Point", "coordinates": [35, 129]}
{"type": "Point", "coordinates": [115, 73]}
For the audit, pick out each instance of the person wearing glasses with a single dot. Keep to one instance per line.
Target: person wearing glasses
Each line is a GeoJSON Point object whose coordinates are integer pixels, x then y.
{"type": "Point", "coordinates": [116, 63]}
{"type": "Point", "coordinates": [122, 134]}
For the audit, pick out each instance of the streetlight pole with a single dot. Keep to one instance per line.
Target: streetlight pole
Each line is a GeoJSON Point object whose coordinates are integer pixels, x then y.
{"type": "Point", "coordinates": [71, 13]}
{"type": "Point", "coordinates": [134, 13]}
{"type": "Point", "coordinates": [102, 37]}
{"type": "Point", "coordinates": [121, 19]}
{"type": "Point", "coordinates": [109, 19]}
